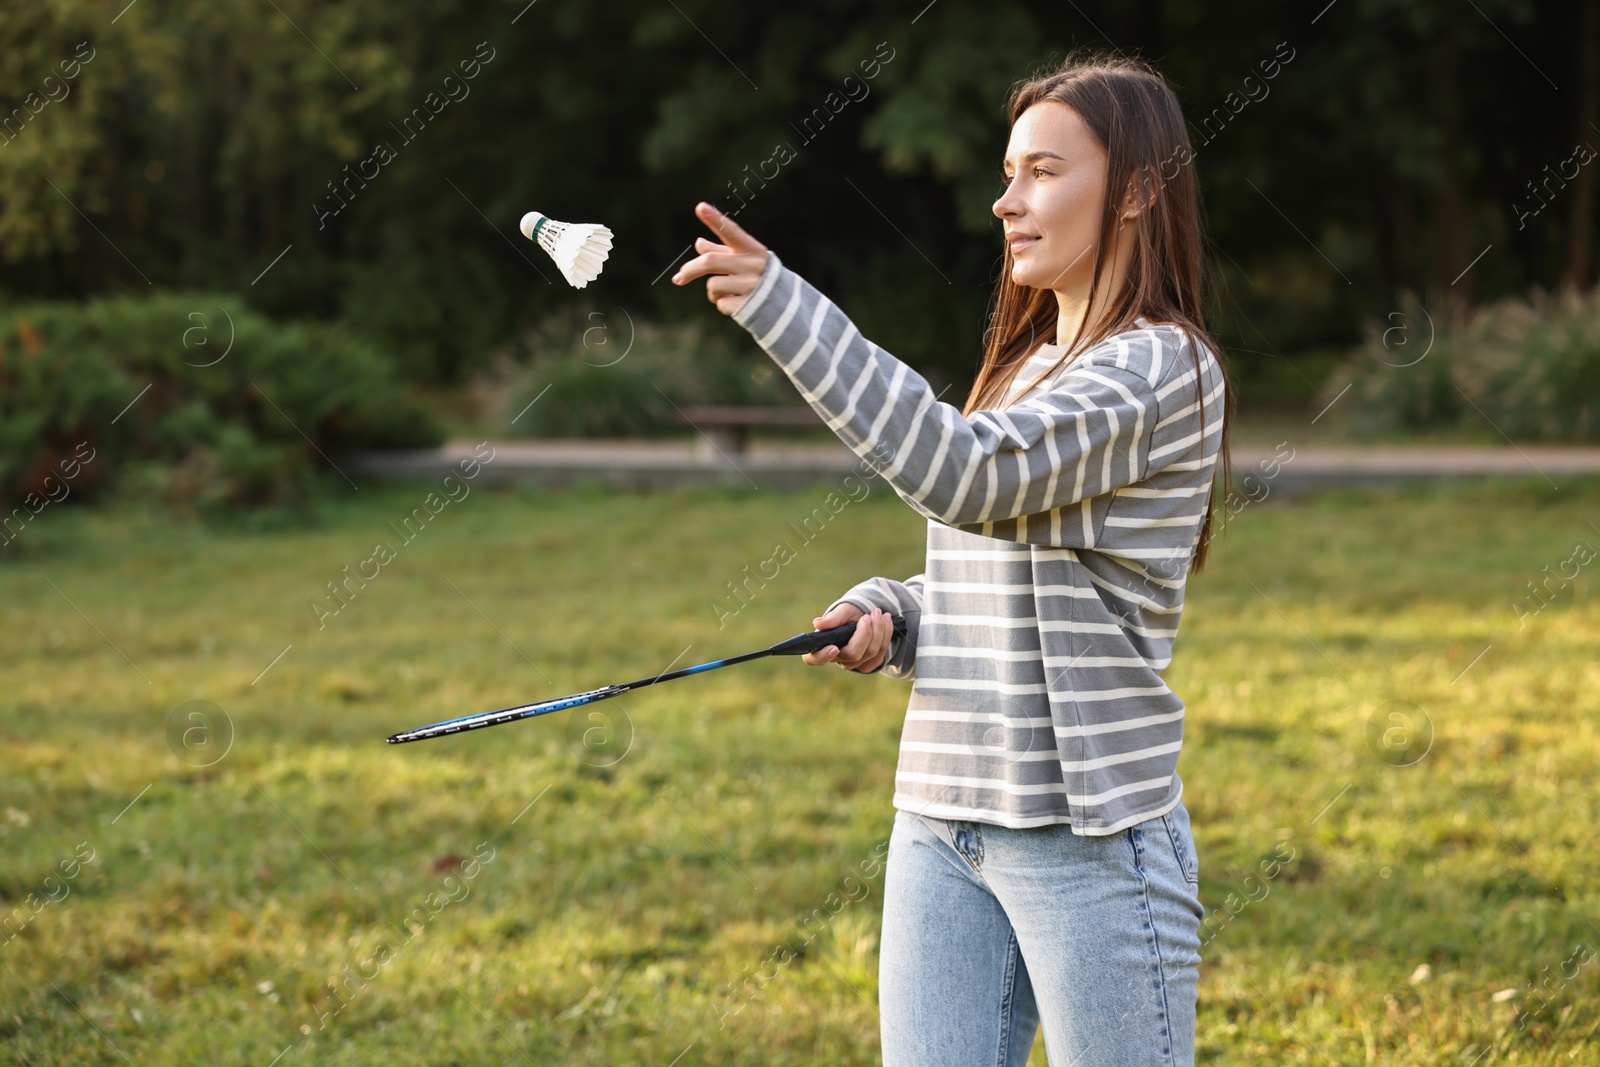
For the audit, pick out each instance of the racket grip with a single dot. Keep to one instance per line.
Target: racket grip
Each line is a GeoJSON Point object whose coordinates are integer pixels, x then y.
{"type": "Point", "coordinates": [818, 640]}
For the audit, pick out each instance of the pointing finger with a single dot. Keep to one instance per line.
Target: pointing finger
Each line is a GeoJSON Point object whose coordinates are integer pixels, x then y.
{"type": "Point", "coordinates": [732, 234]}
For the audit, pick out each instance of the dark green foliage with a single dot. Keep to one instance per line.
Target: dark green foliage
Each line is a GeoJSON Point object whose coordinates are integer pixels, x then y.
{"type": "Point", "coordinates": [577, 399]}
{"type": "Point", "coordinates": [1528, 369]}
{"type": "Point", "coordinates": [192, 396]}
{"type": "Point", "coordinates": [1399, 142]}
{"type": "Point", "coordinates": [635, 386]}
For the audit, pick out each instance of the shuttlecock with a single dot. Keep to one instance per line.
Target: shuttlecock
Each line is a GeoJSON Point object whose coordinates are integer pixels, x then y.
{"type": "Point", "coordinates": [579, 249]}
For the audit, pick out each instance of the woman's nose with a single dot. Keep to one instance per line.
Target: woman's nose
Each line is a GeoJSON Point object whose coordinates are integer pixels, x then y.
{"type": "Point", "coordinates": [1007, 206]}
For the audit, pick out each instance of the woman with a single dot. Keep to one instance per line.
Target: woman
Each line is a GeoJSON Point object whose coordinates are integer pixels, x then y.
{"type": "Point", "coordinates": [1041, 866]}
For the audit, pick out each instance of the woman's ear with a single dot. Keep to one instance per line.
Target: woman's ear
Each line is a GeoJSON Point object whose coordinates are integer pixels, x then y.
{"type": "Point", "coordinates": [1143, 187]}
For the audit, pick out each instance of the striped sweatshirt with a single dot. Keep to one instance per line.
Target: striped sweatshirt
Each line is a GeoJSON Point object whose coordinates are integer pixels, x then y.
{"type": "Point", "coordinates": [1060, 532]}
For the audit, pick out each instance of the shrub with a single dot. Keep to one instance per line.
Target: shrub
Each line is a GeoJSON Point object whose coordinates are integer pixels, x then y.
{"type": "Point", "coordinates": [192, 395]}
{"type": "Point", "coordinates": [625, 381]}
{"type": "Point", "coordinates": [1531, 367]}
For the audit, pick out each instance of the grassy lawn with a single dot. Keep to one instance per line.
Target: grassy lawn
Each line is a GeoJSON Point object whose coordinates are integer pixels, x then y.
{"type": "Point", "coordinates": [261, 876]}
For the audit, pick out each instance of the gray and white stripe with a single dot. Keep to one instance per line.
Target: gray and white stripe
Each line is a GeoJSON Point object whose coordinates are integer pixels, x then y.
{"type": "Point", "coordinates": [1060, 530]}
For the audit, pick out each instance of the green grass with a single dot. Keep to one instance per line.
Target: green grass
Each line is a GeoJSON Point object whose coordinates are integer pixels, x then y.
{"type": "Point", "coordinates": [659, 868]}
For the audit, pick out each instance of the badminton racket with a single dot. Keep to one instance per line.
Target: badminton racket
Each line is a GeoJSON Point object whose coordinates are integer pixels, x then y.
{"type": "Point", "coordinates": [798, 645]}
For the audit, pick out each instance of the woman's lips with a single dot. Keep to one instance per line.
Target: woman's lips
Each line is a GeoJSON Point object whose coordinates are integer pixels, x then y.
{"type": "Point", "coordinates": [1020, 243]}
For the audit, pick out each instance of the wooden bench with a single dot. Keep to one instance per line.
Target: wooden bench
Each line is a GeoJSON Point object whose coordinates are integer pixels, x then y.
{"type": "Point", "coordinates": [727, 428]}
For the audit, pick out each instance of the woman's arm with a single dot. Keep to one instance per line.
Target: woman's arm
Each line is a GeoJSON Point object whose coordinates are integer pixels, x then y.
{"type": "Point", "coordinates": [1088, 435]}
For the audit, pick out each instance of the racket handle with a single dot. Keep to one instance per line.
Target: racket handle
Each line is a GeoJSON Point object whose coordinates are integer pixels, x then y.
{"type": "Point", "coordinates": [818, 640]}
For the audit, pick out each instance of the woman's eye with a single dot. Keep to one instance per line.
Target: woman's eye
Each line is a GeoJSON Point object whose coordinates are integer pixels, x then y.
{"type": "Point", "coordinates": [1037, 172]}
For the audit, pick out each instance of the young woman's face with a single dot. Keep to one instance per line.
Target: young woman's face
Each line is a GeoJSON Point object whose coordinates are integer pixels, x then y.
{"type": "Point", "coordinates": [1055, 175]}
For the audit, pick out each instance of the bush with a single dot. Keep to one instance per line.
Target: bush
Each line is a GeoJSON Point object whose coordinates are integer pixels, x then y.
{"type": "Point", "coordinates": [1530, 366]}
{"type": "Point", "coordinates": [618, 380]}
{"type": "Point", "coordinates": [190, 395]}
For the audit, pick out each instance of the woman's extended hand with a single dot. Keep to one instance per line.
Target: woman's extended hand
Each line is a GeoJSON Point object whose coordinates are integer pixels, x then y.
{"type": "Point", "coordinates": [733, 268]}
{"type": "Point", "coordinates": [867, 646]}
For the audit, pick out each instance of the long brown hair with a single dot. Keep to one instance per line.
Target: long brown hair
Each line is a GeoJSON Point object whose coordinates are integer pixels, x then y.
{"type": "Point", "coordinates": [1135, 117]}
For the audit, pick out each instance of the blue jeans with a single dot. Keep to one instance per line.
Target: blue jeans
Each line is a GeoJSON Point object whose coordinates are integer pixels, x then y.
{"type": "Point", "coordinates": [989, 931]}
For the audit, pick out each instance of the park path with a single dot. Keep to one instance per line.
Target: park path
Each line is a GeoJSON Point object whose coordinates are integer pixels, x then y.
{"type": "Point", "coordinates": [669, 464]}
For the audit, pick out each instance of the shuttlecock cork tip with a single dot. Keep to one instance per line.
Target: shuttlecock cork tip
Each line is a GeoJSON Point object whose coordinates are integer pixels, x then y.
{"type": "Point", "coordinates": [529, 221]}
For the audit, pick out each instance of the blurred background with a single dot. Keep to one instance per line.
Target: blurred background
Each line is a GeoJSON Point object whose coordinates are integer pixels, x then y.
{"type": "Point", "coordinates": [1373, 173]}
{"type": "Point", "coordinates": [246, 248]}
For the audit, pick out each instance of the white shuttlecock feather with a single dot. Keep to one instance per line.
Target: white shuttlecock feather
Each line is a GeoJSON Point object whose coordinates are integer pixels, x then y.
{"type": "Point", "coordinates": [579, 249]}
